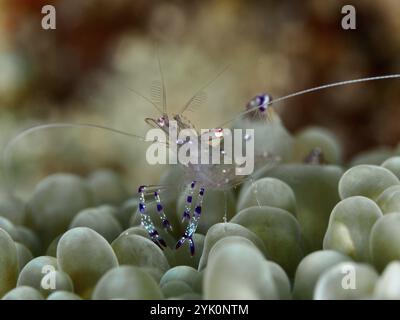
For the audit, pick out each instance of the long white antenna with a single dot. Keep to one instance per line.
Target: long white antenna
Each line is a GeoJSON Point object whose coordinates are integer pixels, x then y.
{"type": "Point", "coordinates": [326, 86]}
{"type": "Point", "coordinates": [337, 84]}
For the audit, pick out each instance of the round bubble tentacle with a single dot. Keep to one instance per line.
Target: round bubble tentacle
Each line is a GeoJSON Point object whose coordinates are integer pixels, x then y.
{"type": "Point", "coordinates": [254, 185]}
{"type": "Point", "coordinates": [225, 218]}
{"type": "Point", "coordinates": [146, 221]}
{"type": "Point", "coordinates": [193, 223]}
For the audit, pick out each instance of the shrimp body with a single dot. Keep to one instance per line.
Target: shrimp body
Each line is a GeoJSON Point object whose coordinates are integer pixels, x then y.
{"type": "Point", "coordinates": [199, 175]}
{"type": "Point", "coordinates": [212, 176]}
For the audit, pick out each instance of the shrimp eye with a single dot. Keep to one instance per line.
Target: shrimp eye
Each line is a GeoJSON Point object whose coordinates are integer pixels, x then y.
{"type": "Point", "coordinates": [255, 102]}
{"type": "Point", "coordinates": [261, 101]}
{"type": "Point", "coordinates": [162, 121]}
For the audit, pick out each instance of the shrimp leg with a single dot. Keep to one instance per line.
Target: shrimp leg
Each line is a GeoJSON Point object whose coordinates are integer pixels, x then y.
{"type": "Point", "coordinates": [188, 205]}
{"type": "Point", "coordinates": [160, 210]}
{"type": "Point", "coordinates": [193, 223]}
{"type": "Point", "coordinates": [146, 221]}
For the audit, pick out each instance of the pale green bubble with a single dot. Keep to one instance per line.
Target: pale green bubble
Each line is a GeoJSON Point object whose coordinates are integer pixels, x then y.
{"type": "Point", "coordinates": [138, 251]}
{"type": "Point", "coordinates": [130, 209]}
{"type": "Point", "coordinates": [9, 227]}
{"type": "Point", "coordinates": [12, 208]}
{"type": "Point", "coordinates": [314, 137]}
{"type": "Point", "coordinates": [47, 281]}
{"type": "Point", "coordinates": [116, 213]}
{"type": "Point", "coordinates": [189, 296]}
{"type": "Point", "coordinates": [186, 274]}
{"type": "Point", "coordinates": [52, 248]}
{"type": "Point", "coordinates": [127, 282]}
{"type": "Point", "coordinates": [346, 281]}
{"type": "Point", "coordinates": [182, 256]}
{"type": "Point", "coordinates": [316, 191]}
{"type": "Point", "coordinates": [373, 157]}
{"type": "Point", "coordinates": [388, 284]}
{"type": "Point", "coordinates": [99, 219]}
{"type": "Point", "coordinates": [63, 295]}
{"type": "Point", "coordinates": [236, 269]}
{"type": "Point", "coordinates": [216, 203]}
{"type": "Point", "coordinates": [138, 230]}
{"type": "Point", "coordinates": [8, 263]}
{"type": "Point", "coordinates": [221, 230]}
{"type": "Point", "coordinates": [236, 240]}
{"type": "Point", "coordinates": [366, 180]}
{"type": "Point", "coordinates": [29, 238]}
{"type": "Point", "coordinates": [62, 281]}
{"type": "Point", "coordinates": [267, 192]}
{"type": "Point", "coordinates": [270, 136]}
{"type": "Point", "coordinates": [311, 268]}
{"type": "Point", "coordinates": [155, 273]}
{"type": "Point", "coordinates": [121, 214]}
{"type": "Point", "coordinates": [175, 288]}
{"type": "Point", "coordinates": [85, 256]}
{"type": "Point", "coordinates": [23, 293]}
{"type": "Point", "coordinates": [350, 226]}
{"type": "Point", "coordinates": [54, 203]}
{"type": "Point", "coordinates": [135, 219]}
{"type": "Point", "coordinates": [24, 255]}
{"type": "Point", "coordinates": [385, 239]}
{"type": "Point", "coordinates": [281, 280]}
{"type": "Point", "coordinates": [107, 187]}
{"type": "Point", "coordinates": [389, 200]}
{"type": "Point", "coordinates": [279, 231]}
{"type": "Point", "coordinates": [393, 164]}
{"type": "Point", "coordinates": [33, 272]}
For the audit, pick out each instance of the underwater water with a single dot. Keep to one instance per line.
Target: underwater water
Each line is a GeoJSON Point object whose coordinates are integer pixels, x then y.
{"type": "Point", "coordinates": [319, 218]}
{"type": "Point", "coordinates": [306, 231]}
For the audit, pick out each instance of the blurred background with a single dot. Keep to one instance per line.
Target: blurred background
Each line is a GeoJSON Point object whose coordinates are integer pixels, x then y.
{"type": "Point", "coordinates": [82, 71]}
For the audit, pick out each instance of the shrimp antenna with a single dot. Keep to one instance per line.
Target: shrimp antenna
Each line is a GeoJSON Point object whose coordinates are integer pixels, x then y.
{"type": "Point", "coordinates": [207, 84]}
{"type": "Point", "coordinates": [6, 156]}
{"type": "Point", "coordinates": [325, 86]}
{"type": "Point", "coordinates": [146, 99]}
{"type": "Point", "coordinates": [164, 93]}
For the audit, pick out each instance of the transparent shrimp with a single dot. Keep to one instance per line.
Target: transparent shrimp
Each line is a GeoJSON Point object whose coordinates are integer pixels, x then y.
{"type": "Point", "coordinates": [222, 176]}
{"type": "Point", "coordinates": [200, 178]}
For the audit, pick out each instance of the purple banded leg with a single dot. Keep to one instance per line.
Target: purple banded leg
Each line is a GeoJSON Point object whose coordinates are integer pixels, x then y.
{"type": "Point", "coordinates": [161, 213]}
{"type": "Point", "coordinates": [193, 223]}
{"type": "Point", "coordinates": [146, 221]}
{"type": "Point", "coordinates": [188, 205]}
